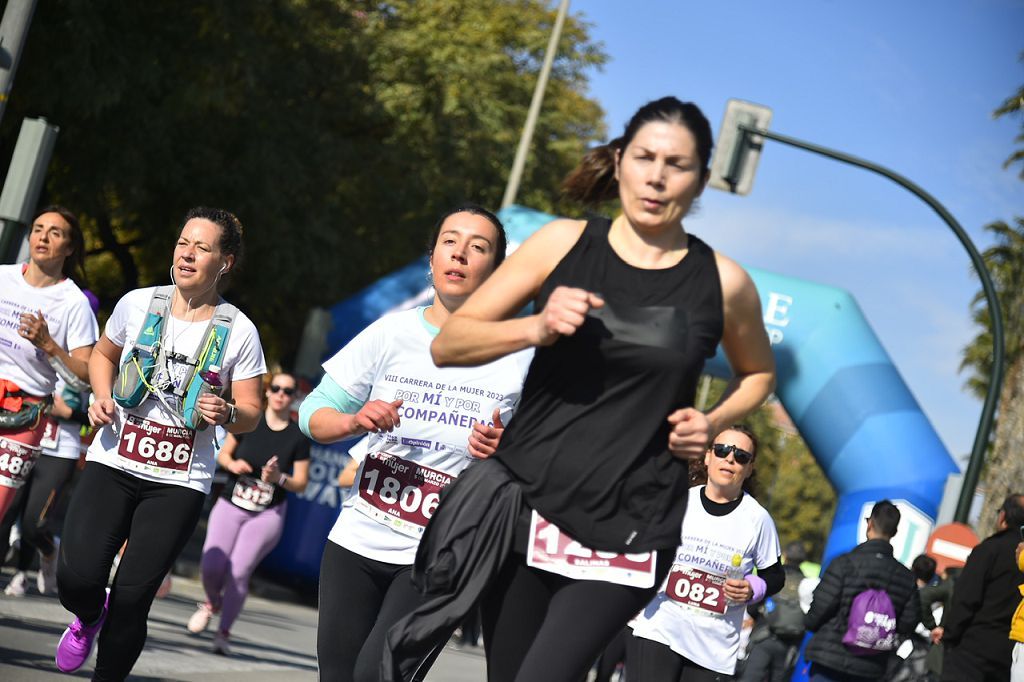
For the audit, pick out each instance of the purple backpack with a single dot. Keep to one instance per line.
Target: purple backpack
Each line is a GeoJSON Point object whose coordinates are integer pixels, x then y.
{"type": "Point", "coordinates": [871, 626]}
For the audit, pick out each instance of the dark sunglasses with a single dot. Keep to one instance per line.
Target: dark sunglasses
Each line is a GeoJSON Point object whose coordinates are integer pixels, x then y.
{"type": "Point", "coordinates": [288, 390]}
{"type": "Point", "coordinates": [741, 456]}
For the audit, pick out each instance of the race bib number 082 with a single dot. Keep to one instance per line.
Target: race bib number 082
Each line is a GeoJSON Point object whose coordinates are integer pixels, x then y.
{"type": "Point", "coordinates": [553, 551]}
{"type": "Point", "coordinates": [398, 493]}
{"type": "Point", "coordinates": [697, 589]}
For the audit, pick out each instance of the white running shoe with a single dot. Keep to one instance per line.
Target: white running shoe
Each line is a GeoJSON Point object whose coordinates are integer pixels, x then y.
{"type": "Point", "coordinates": [220, 644]}
{"type": "Point", "coordinates": [46, 579]}
{"type": "Point", "coordinates": [200, 619]}
{"type": "Point", "coordinates": [18, 585]}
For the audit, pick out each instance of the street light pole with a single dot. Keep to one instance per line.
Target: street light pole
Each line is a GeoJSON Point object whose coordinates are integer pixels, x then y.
{"type": "Point", "coordinates": [512, 188]}
{"type": "Point", "coordinates": [988, 409]}
{"type": "Point", "coordinates": [13, 30]}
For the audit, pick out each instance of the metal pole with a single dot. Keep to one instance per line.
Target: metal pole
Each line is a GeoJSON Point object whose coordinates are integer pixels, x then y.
{"type": "Point", "coordinates": [512, 188]}
{"type": "Point", "coordinates": [13, 30]}
{"type": "Point", "coordinates": [988, 409]}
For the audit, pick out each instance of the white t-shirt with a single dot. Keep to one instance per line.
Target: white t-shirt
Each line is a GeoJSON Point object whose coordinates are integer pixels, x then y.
{"type": "Point", "coordinates": [242, 359]}
{"type": "Point", "coordinates": [68, 435]}
{"type": "Point", "coordinates": [68, 317]}
{"type": "Point", "coordinates": [708, 545]}
{"type": "Point", "coordinates": [389, 360]}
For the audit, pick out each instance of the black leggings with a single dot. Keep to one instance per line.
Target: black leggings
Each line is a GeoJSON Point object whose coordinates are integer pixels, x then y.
{"type": "Point", "coordinates": [34, 504]}
{"type": "Point", "coordinates": [360, 599]}
{"type": "Point", "coordinates": [652, 661]}
{"type": "Point", "coordinates": [542, 627]}
{"type": "Point", "coordinates": [108, 507]}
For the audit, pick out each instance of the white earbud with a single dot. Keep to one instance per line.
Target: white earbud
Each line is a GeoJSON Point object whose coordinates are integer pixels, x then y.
{"type": "Point", "coordinates": [223, 268]}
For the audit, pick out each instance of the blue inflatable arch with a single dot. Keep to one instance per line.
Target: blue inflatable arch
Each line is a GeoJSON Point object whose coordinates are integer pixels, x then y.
{"type": "Point", "coordinates": [835, 380]}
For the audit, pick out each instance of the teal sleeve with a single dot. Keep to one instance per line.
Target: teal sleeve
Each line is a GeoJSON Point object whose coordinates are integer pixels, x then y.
{"type": "Point", "coordinates": [327, 394]}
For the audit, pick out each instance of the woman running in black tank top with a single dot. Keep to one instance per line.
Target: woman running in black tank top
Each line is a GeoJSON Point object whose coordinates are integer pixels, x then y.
{"type": "Point", "coordinates": [629, 311]}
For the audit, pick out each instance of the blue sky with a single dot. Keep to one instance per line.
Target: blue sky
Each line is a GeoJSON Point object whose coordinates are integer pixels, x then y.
{"type": "Point", "coordinates": [910, 85]}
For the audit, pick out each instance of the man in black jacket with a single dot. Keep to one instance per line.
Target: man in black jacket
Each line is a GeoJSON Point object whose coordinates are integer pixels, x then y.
{"type": "Point", "coordinates": [977, 628]}
{"type": "Point", "coordinates": [869, 565]}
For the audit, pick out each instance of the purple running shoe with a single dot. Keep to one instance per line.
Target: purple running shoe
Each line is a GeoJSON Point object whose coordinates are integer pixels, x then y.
{"type": "Point", "coordinates": [77, 642]}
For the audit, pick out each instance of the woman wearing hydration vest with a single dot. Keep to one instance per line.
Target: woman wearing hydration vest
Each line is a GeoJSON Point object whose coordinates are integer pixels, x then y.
{"type": "Point", "coordinates": [690, 631]}
{"type": "Point", "coordinates": [419, 419]}
{"type": "Point", "coordinates": [47, 332]}
{"type": "Point", "coordinates": [151, 464]}
{"type": "Point", "coordinates": [247, 520]}
{"type": "Point", "coordinates": [628, 311]}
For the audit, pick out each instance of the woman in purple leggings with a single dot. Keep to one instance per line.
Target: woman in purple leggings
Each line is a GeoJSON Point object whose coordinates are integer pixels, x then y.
{"type": "Point", "coordinates": [247, 520]}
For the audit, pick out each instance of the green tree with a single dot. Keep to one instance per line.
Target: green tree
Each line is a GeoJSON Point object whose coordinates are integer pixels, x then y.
{"type": "Point", "coordinates": [1004, 468]}
{"type": "Point", "coordinates": [335, 129]}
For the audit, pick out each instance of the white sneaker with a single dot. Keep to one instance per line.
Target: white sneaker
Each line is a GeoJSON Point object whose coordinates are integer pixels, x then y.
{"type": "Point", "coordinates": [46, 579]}
{"type": "Point", "coordinates": [18, 585]}
{"type": "Point", "coordinates": [200, 619]}
{"type": "Point", "coordinates": [220, 644]}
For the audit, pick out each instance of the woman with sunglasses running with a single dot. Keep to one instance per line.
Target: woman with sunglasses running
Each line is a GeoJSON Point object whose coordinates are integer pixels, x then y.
{"type": "Point", "coordinates": [247, 520]}
{"type": "Point", "coordinates": [425, 426]}
{"type": "Point", "coordinates": [690, 632]}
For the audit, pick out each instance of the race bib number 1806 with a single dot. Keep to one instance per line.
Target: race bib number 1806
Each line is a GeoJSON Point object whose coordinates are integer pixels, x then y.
{"type": "Point", "coordinates": [553, 551]}
{"type": "Point", "coordinates": [398, 493]}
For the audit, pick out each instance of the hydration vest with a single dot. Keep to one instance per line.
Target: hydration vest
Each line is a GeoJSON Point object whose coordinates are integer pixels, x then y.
{"type": "Point", "coordinates": [134, 380]}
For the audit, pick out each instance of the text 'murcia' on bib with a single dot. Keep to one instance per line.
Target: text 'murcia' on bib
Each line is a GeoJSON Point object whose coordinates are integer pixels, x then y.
{"type": "Point", "coordinates": [399, 493]}
{"type": "Point", "coordinates": [156, 449]}
{"type": "Point", "coordinates": [551, 550]}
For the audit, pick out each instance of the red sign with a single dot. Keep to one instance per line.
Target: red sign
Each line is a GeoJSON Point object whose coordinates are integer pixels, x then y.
{"type": "Point", "coordinates": [950, 545]}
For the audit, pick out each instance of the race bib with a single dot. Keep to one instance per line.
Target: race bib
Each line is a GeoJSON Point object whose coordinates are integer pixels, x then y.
{"type": "Point", "coordinates": [156, 449]}
{"type": "Point", "coordinates": [697, 589]}
{"type": "Point", "coordinates": [551, 550]}
{"type": "Point", "coordinates": [51, 433]}
{"type": "Point", "coordinates": [398, 493]}
{"type": "Point", "coordinates": [16, 461]}
{"type": "Point", "coordinates": [252, 493]}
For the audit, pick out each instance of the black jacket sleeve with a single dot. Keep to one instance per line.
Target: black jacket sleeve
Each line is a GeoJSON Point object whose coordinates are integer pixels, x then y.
{"type": "Point", "coordinates": [968, 595]}
{"type": "Point", "coordinates": [827, 595]}
{"type": "Point", "coordinates": [929, 595]}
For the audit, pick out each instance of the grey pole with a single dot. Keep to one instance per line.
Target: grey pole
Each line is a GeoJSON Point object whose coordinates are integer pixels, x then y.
{"type": "Point", "coordinates": [512, 188]}
{"type": "Point", "coordinates": [13, 30]}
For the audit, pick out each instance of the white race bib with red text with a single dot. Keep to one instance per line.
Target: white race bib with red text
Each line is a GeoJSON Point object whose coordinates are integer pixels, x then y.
{"type": "Point", "coordinates": [251, 493]}
{"type": "Point", "coordinates": [551, 550]}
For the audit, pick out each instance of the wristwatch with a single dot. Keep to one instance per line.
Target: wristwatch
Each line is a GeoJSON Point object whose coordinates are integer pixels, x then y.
{"type": "Point", "coordinates": [232, 414]}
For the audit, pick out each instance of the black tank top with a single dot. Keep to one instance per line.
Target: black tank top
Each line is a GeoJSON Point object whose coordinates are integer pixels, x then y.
{"type": "Point", "coordinates": [589, 442]}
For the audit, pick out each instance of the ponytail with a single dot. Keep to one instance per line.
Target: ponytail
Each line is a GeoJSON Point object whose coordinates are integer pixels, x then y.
{"type": "Point", "coordinates": [593, 180]}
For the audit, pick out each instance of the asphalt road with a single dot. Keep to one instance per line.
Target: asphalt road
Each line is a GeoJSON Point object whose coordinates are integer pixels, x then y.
{"type": "Point", "coordinates": [272, 640]}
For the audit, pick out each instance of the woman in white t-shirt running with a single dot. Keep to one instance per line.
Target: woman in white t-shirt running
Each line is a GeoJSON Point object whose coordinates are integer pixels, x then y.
{"type": "Point", "coordinates": [690, 631]}
{"type": "Point", "coordinates": [147, 471]}
{"type": "Point", "coordinates": [419, 419]}
{"type": "Point", "coordinates": [46, 323]}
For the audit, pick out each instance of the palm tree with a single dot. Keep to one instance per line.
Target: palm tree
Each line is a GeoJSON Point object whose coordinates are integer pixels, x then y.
{"type": "Point", "coordinates": [1004, 468]}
